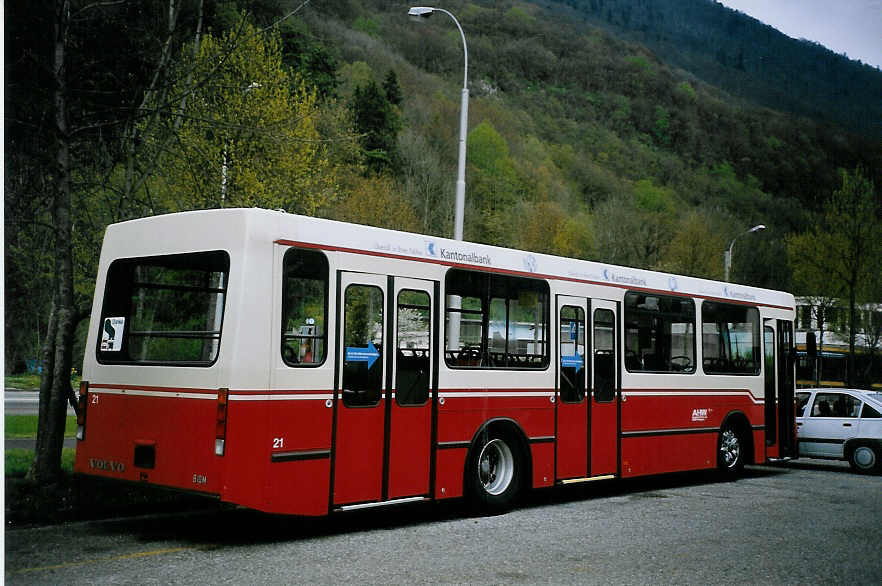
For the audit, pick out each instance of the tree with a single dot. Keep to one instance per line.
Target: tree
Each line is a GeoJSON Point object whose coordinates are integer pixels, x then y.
{"type": "Point", "coordinates": [392, 89]}
{"type": "Point", "coordinates": [842, 251]}
{"type": "Point", "coordinates": [870, 327]}
{"type": "Point", "coordinates": [312, 58]}
{"type": "Point", "coordinates": [636, 227]}
{"type": "Point", "coordinates": [548, 227]}
{"type": "Point", "coordinates": [55, 387]}
{"type": "Point", "coordinates": [695, 248]}
{"type": "Point", "coordinates": [820, 307]}
{"type": "Point", "coordinates": [493, 185]}
{"type": "Point", "coordinates": [375, 201]}
{"type": "Point", "coordinates": [69, 141]}
{"type": "Point", "coordinates": [247, 134]}
{"type": "Point", "coordinates": [377, 124]}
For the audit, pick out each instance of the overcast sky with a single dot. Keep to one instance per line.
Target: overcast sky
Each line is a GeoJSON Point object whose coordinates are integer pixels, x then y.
{"type": "Point", "coordinates": [853, 27]}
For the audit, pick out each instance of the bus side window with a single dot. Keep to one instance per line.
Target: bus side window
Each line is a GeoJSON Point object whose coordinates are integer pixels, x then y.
{"type": "Point", "coordinates": [304, 307]}
{"type": "Point", "coordinates": [659, 333]}
{"type": "Point", "coordinates": [730, 337]}
{"type": "Point", "coordinates": [496, 321]}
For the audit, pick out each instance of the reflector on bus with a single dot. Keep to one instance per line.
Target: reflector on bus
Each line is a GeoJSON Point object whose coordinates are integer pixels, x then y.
{"type": "Point", "coordinates": [221, 424]}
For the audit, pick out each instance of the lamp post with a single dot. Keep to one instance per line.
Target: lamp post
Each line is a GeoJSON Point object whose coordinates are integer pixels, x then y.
{"type": "Point", "coordinates": [454, 302]}
{"type": "Point", "coordinates": [420, 12]}
{"type": "Point", "coordinates": [727, 256]}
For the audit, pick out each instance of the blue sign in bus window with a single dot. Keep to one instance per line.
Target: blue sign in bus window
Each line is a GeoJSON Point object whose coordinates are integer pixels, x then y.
{"type": "Point", "coordinates": [357, 354]}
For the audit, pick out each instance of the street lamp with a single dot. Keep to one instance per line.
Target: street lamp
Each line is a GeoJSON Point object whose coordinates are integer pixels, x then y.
{"type": "Point", "coordinates": [419, 13]}
{"type": "Point", "coordinates": [455, 301]}
{"type": "Point", "coordinates": [727, 256]}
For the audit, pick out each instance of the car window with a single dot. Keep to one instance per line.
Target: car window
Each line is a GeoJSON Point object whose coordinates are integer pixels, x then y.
{"type": "Point", "coordinates": [846, 406]}
{"type": "Point", "coordinates": [801, 400]}
{"type": "Point", "coordinates": [835, 405]}
{"type": "Point", "coordinates": [870, 413]}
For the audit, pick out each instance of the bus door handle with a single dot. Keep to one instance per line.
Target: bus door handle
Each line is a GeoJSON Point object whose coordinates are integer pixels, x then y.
{"type": "Point", "coordinates": [846, 425]}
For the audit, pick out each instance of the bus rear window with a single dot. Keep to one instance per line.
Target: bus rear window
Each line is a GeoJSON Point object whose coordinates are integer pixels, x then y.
{"type": "Point", "coordinates": [164, 309]}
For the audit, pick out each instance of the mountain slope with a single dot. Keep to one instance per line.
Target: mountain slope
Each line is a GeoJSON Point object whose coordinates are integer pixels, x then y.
{"type": "Point", "coordinates": [746, 58]}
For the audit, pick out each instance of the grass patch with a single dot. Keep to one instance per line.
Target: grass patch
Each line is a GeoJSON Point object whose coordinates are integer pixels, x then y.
{"type": "Point", "coordinates": [19, 460]}
{"type": "Point", "coordinates": [30, 382]}
{"type": "Point", "coordinates": [22, 381]}
{"type": "Point", "coordinates": [25, 426]}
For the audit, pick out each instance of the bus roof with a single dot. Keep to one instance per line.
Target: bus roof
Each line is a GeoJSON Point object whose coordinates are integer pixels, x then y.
{"type": "Point", "coordinates": [224, 227]}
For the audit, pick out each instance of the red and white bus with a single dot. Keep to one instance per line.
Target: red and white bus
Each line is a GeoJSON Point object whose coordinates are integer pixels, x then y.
{"type": "Point", "coordinates": [302, 366]}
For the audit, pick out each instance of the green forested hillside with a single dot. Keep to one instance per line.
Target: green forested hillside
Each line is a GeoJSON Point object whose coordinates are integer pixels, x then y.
{"type": "Point", "coordinates": [580, 143]}
{"type": "Point", "coordinates": [747, 58]}
{"type": "Point", "coordinates": [627, 151]}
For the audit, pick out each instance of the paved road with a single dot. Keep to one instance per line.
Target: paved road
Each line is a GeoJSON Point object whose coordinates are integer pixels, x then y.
{"type": "Point", "coordinates": [29, 444]}
{"type": "Point", "coordinates": [807, 523]}
{"type": "Point", "coordinates": [24, 402]}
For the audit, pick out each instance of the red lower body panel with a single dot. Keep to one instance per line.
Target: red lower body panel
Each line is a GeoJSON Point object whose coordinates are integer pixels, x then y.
{"type": "Point", "coordinates": [668, 453]}
{"type": "Point", "coordinates": [174, 436]}
{"type": "Point", "coordinates": [278, 446]}
{"type": "Point", "coordinates": [460, 418]}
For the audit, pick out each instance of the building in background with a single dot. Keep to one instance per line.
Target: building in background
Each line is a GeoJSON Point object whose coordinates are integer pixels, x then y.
{"type": "Point", "coordinates": [822, 343]}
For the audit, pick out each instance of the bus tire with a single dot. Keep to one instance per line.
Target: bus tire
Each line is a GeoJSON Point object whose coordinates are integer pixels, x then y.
{"type": "Point", "coordinates": [494, 472]}
{"type": "Point", "coordinates": [730, 451]}
{"type": "Point", "coordinates": [864, 457]}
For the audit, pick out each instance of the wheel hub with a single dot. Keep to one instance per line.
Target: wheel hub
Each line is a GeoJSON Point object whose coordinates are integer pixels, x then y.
{"type": "Point", "coordinates": [495, 467]}
{"type": "Point", "coordinates": [730, 448]}
{"type": "Point", "coordinates": [864, 457]}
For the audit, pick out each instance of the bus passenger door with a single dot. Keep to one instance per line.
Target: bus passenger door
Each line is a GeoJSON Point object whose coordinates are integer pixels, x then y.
{"type": "Point", "coordinates": [770, 395]}
{"type": "Point", "coordinates": [780, 419]}
{"type": "Point", "coordinates": [785, 386]}
{"type": "Point", "coordinates": [572, 401]}
{"type": "Point", "coordinates": [409, 405]}
{"type": "Point", "coordinates": [359, 395]}
{"type": "Point", "coordinates": [605, 393]}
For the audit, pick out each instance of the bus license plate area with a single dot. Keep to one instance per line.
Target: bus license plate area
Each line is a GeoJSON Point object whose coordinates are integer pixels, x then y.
{"type": "Point", "coordinates": [145, 456]}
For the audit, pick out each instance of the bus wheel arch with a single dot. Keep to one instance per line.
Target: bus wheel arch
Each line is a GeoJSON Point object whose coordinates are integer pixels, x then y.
{"type": "Point", "coordinates": [498, 467]}
{"type": "Point", "coordinates": [735, 444]}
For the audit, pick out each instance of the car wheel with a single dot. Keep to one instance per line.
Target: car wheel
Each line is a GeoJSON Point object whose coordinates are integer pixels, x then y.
{"type": "Point", "coordinates": [493, 480]}
{"type": "Point", "coordinates": [864, 458]}
{"type": "Point", "coordinates": [730, 453]}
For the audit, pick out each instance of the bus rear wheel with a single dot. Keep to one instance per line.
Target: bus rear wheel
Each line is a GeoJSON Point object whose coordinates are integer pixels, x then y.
{"type": "Point", "coordinates": [730, 452]}
{"type": "Point", "coordinates": [494, 473]}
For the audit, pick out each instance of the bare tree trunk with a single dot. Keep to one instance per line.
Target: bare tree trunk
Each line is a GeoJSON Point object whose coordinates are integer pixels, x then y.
{"type": "Point", "coordinates": [47, 356]}
{"type": "Point", "coordinates": [157, 96]}
{"type": "Point", "coordinates": [820, 359]}
{"type": "Point", "coordinates": [55, 386]}
{"type": "Point", "coordinates": [852, 326]}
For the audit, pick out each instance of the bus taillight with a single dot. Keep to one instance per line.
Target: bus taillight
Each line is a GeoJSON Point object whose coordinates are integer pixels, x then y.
{"type": "Point", "coordinates": [81, 410]}
{"type": "Point", "coordinates": [220, 433]}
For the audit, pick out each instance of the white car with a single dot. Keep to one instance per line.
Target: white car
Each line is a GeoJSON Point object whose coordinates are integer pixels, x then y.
{"type": "Point", "coordinates": [841, 424]}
